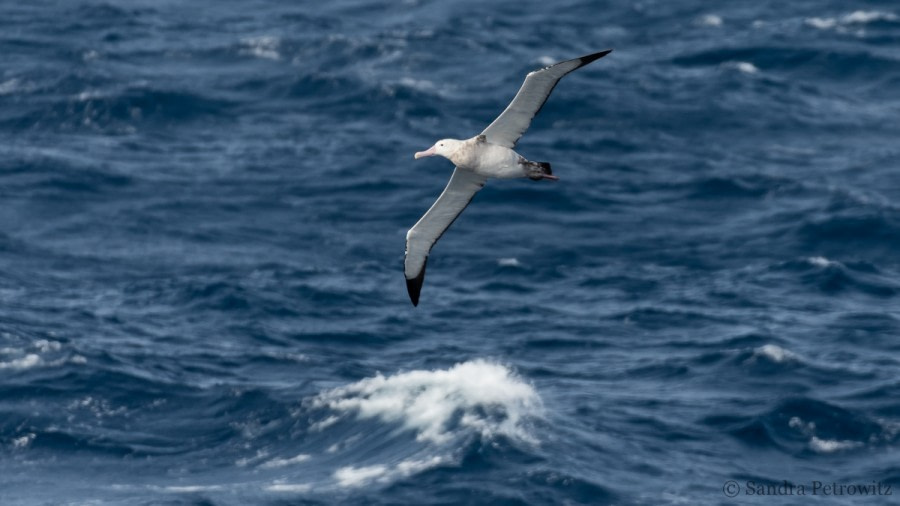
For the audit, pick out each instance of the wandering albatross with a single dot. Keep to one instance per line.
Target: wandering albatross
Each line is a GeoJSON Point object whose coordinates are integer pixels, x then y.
{"type": "Point", "coordinates": [489, 154]}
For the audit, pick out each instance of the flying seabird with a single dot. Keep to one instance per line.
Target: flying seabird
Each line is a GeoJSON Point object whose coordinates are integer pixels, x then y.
{"type": "Point", "coordinates": [489, 154]}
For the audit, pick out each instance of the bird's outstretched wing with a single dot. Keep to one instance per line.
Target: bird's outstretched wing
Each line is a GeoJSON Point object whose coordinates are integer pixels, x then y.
{"type": "Point", "coordinates": [463, 185]}
{"type": "Point", "coordinates": [516, 118]}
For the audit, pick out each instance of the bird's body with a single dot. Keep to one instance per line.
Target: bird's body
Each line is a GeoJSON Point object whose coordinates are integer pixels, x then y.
{"type": "Point", "coordinates": [490, 160]}
{"type": "Point", "coordinates": [488, 155]}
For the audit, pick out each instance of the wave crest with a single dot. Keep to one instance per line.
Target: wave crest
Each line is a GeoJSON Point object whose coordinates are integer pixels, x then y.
{"type": "Point", "coordinates": [440, 405]}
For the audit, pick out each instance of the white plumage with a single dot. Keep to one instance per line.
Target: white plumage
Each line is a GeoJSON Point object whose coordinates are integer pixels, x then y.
{"type": "Point", "coordinates": [488, 155]}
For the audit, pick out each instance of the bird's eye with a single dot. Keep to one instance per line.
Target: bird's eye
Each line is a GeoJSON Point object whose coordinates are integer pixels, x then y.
{"type": "Point", "coordinates": [442, 144]}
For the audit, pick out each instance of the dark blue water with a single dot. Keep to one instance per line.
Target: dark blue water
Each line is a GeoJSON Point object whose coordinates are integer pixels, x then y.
{"type": "Point", "coordinates": [202, 230]}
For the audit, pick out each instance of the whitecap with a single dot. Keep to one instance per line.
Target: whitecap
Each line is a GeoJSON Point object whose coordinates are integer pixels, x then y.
{"type": "Point", "coordinates": [853, 18]}
{"type": "Point", "coordinates": [262, 47]}
{"type": "Point", "coordinates": [191, 488]}
{"type": "Point", "coordinates": [774, 353]}
{"type": "Point", "coordinates": [831, 445]}
{"type": "Point", "coordinates": [28, 361]}
{"type": "Point", "coordinates": [418, 84]}
{"type": "Point", "coordinates": [746, 67]}
{"type": "Point", "coordinates": [820, 261]}
{"type": "Point", "coordinates": [10, 86]}
{"type": "Point", "coordinates": [509, 262]}
{"type": "Point", "coordinates": [807, 429]}
{"type": "Point", "coordinates": [289, 487]}
{"type": "Point", "coordinates": [710, 20]}
{"type": "Point", "coordinates": [821, 23]}
{"type": "Point", "coordinates": [323, 424]}
{"type": "Point", "coordinates": [412, 466]}
{"type": "Point", "coordinates": [24, 441]}
{"type": "Point", "coordinates": [100, 408]}
{"type": "Point", "coordinates": [277, 462]}
{"type": "Point", "coordinates": [742, 66]}
{"type": "Point", "coordinates": [546, 60]}
{"type": "Point", "coordinates": [87, 95]}
{"type": "Point", "coordinates": [486, 398]}
{"type": "Point", "coordinates": [818, 445]}
{"type": "Point", "coordinates": [44, 345]}
{"type": "Point", "coordinates": [357, 476]}
{"type": "Point", "coordinates": [864, 17]}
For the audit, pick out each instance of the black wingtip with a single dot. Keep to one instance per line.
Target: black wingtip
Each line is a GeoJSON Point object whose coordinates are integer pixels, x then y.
{"type": "Point", "coordinates": [414, 285]}
{"type": "Point", "coordinates": [596, 56]}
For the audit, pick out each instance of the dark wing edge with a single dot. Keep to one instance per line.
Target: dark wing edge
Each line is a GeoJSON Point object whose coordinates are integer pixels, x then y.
{"type": "Point", "coordinates": [509, 126]}
{"type": "Point", "coordinates": [428, 230]}
{"type": "Point", "coordinates": [414, 285]}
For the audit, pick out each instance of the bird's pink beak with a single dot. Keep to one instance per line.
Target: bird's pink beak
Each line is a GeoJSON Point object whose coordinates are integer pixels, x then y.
{"type": "Point", "coordinates": [428, 152]}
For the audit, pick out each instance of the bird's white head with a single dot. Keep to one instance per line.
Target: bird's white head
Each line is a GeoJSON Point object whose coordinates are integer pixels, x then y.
{"type": "Point", "coordinates": [443, 147]}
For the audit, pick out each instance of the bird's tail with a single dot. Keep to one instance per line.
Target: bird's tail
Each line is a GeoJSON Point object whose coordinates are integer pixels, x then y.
{"type": "Point", "coordinates": [539, 170]}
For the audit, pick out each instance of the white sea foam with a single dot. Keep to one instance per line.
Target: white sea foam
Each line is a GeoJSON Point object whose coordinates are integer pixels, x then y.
{"type": "Point", "coordinates": [262, 47]}
{"type": "Point", "coordinates": [820, 261]}
{"type": "Point", "coordinates": [28, 361]}
{"type": "Point", "coordinates": [180, 489]}
{"type": "Point", "coordinates": [710, 20]}
{"type": "Point", "coordinates": [97, 407]}
{"type": "Point", "coordinates": [815, 443]}
{"type": "Point", "coordinates": [853, 18]}
{"type": "Point", "coordinates": [746, 67]}
{"type": "Point", "coordinates": [807, 429]}
{"type": "Point", "coordinates": [831, 445]}
{"type": "Point", "coordinates": [546, 60]}
{"type": "Point", "coordinates": [357, 476]}
{"type": "Point", "coordinates": [24, 441]}
{"type": "Point", "coordinates": [484, 397]}
{"type": "Point", "coordinates": [324, 424]}
{"type": "Point", "coordinates": [412, 466]}
{"type": "Point", "coordinates": [289, 487]}
{"type": "Point", "coordinates": [869, 16]}
{"type": "Point", "coordinates": [87, 95]}
{"type": "Point", "coordinates": [40, 352]}
{"type": "Point", "coordinates": [419, 84]}
{"type": "Point", "coordinates": [277, 462]}
{"type": "Point", "coordinates": [742, 66]}
{"type": "Point", "coordinates": [10, 86]}
{"type": "Point", "coordinates": [774, 353]}
{"type": "Point", "coordinates": [821, 23]}
{"type": "Point", "coordinates": [44, 345]}
{"type": "Point", "coordinates": [509, 262]}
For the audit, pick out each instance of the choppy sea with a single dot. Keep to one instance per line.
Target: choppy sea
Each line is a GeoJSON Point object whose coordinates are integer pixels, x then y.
{"type": "Point", "coordinates": [203, 208]}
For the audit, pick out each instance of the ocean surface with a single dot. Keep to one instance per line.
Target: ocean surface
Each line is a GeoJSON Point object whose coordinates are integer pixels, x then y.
{"type": "Point", "coordinates": [203, 209]}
